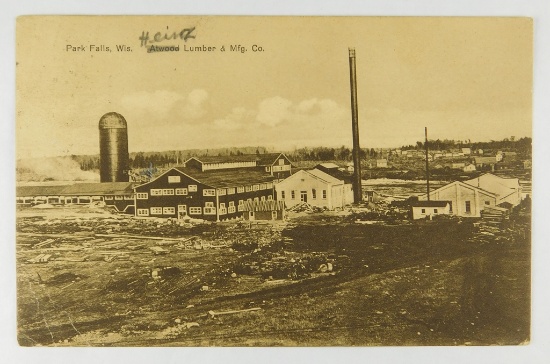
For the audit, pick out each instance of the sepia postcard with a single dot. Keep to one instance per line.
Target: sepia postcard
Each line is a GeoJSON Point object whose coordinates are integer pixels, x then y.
{"type": "Point", "coordinates": [273, 181]}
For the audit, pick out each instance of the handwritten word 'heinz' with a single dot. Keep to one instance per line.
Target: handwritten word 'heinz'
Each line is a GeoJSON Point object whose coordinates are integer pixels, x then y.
{"type": "Point", "coordinates": [185, 34]}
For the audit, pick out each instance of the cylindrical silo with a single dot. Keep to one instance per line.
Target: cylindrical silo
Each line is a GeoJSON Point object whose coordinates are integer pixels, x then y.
{"type": "Point", "coordinates": [113, 148]}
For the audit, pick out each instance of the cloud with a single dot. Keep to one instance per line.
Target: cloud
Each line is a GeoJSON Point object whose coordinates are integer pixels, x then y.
{"type": "Point", "coordinates": [274, 121]}
{"type": "Point", "coordinates": [193, 108]}
{"type": "Point", "coordinates": [163, 103]}
{"type": "Point", "coordinates": [274, 111]}
{"type": "Point", "coordinates": [282, 123]}
{"type": "Point", "coordinates": [227, 124]}
{"type": "Point", "coordinates": [235, 120]}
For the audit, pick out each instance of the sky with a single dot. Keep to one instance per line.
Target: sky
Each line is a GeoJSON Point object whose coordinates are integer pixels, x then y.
{"type": "Point", "coordinates": [463, 78]}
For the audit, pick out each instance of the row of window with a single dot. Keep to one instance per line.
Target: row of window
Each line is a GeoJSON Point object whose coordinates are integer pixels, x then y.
{"type": "Point", "coordinates": [206, 192]}
{"type": "Point", "coordinates": [172, 211]}
{"type": "Point", "coordinates": [156, 211]}
{"type": "Point", "coordinates": [313, 194]}
{"type": "Point", "coordinates": [208, 209]}
{"type": "Point", "coordinates": [118, 198]}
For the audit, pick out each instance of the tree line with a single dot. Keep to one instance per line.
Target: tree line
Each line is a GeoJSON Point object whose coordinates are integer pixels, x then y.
{"type": "Point", "coordinates": [166, 159]}
{"type": "Point", "coordinates": [521, 145]}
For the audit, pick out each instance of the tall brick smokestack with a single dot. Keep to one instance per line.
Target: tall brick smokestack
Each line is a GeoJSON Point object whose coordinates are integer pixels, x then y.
{"type": "Point", "coordinates": [357, 189]}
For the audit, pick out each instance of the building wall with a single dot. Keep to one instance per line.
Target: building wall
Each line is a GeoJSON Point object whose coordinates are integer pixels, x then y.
{"type": "Point", "coordinates": [121, 203]}
{"type": "Point", "coordinates": [419, 212]}
{"type": "Point", "coordinates": [333, 195]}
{"type": "Point", "coordinates": [348, 194]}
{"type": "Point", "coordinates": [263, 215]}
{"type": "Point", "coordinates": [193, 163]}
{"type": "Point", "coordinates": [371, 196]}
{"type": "Point", "coordinates": [227, 165]}
{"type": "Point", "coordinates": [459, 196]}
{"type": "Point", "coordinates": [192, 198]}
{"type": "Point", "coordinates": [258, 192]}
{"type": "Point", "coordinates": [280, 169]}
{"type": "Point", "coordinates": [202, 202]}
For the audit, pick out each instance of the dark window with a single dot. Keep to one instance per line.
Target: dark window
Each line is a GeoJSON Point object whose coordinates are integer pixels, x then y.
{"type": "Point", "coordinates": [468, 207]}
{"type": "Point", "coordinates": [423, 211]}
{"type": "Point", "coordinates": [435, 211]}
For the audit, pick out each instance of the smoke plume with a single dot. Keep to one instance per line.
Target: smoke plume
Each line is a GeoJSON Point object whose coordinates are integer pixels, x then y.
{"type": "Point", "coordinates": [53, 169]}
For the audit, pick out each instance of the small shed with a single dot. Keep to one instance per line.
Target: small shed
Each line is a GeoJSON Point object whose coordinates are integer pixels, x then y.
{"type": "Point", "coordinates": [372, 196]}
{"type": "Point", "coordinates": [427, 209]}
{"type": "Point", "coordinates": [264, 210]}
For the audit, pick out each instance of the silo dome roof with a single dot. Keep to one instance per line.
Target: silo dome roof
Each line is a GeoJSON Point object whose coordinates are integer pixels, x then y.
{"type": "Point", "coordinates": [112, 120]}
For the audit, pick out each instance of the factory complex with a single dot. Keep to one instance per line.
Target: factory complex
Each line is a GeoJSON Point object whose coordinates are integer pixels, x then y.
{"type": "Point", "coordinates": [217, 188]}
{"type": "Point", "coordinates": [212, 188]}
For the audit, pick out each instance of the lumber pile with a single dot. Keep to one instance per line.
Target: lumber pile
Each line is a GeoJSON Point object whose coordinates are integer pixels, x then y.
{"type": "Point", "coordinates": [495, 214]}
{"type": "Point", "coordinates": [305, 207]}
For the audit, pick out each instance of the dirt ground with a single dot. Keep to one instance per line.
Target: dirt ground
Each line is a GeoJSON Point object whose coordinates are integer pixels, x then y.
{"type": "Point", "coordinates": [89, 278]}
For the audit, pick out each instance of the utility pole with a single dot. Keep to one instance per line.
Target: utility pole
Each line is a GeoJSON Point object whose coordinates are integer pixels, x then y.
{"type": "Point", "coordinates": [357, 187]}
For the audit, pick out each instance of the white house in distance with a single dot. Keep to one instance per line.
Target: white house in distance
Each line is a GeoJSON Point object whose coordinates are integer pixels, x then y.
{"type": "Point", "coordinates": [381, 163]}
{"type": "Point", "coordinates": [464, 199]}
{"type": "Point", "coordinates": [469, 168]}
{"type": "Point", "coordinates": [424, 209]}
{"type": "Point", "coordinates": [315, 187]}
{"type": "Point", "coordinates": [506, 189]}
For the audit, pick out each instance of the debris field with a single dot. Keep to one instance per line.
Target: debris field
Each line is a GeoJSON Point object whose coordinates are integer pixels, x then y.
{"type": "Point", "coordinates": [94, 278]}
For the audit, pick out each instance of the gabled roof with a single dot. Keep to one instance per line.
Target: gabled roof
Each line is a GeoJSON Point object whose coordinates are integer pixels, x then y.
{"type": "Point", "coordinates": [104, 188]}
{"type": "Point", "coordinates": [337, 173]}
{"type": "Point", "coordinates": [491, 178]}
{"type": "Point", "coordinates": [269, 158]}
{"type": "Point", "coordinates": [225, 158]}
{"type": "Point", "coordinates": [327, 165]}
{"type": "Point", "coordinates": [430, 203]}
{"type": "Point", "coordinates": [226, 177]}
{"type": "Point", "coordinates": [316, 174]}
{"type": "Point", "coordinates": [82, 189]}
{"type": "Point", "coordinates": [462, 184]}
{"type": "Point", "coordinates": [506, 205]}
{"type": "Point", "coordinates": [265, 159]}
{"type": "Point", "coordinates": [268, 205]}
{"type": "Point", "coordinates": [325, 177]}
{"type": "Point", "coordinates": [23, 191]}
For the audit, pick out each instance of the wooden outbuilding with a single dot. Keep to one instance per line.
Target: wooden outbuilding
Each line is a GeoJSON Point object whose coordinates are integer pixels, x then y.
{"type": "Point", "coordinates": [264, 210]}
